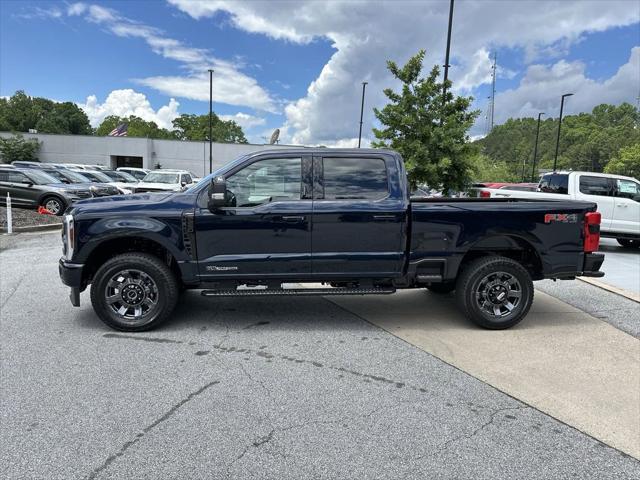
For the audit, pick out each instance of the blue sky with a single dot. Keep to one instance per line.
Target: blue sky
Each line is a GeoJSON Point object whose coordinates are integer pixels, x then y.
{"type": "Point", "coordinates": [298, 66]}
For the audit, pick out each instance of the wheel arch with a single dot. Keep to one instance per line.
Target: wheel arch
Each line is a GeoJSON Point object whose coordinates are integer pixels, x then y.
{"type": "Point", "coordinates": [514, 247]}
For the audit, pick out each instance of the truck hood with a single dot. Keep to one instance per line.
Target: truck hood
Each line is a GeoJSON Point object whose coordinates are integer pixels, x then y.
{"type": "Point", "coordinates": [121, 203]}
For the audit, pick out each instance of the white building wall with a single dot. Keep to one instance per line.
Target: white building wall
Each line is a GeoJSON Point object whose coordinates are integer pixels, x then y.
{"type": "Point", "coordinates": [193, 156]}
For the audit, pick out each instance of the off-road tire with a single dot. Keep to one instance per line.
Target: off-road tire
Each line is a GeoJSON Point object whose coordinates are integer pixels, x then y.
{"type": "Point", "coordinates": [469, 291]}
{"type": "Point", "coordinates": [165, 282]}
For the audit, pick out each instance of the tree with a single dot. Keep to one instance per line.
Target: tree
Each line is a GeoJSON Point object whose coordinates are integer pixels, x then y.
{"type": "Point", "coordinates": [196, 127]}
{"type": "Point", "coordinates": [588, 142]}
{"type": "Point", "coordinates": [17, 148]}
{"type": "Point", "coordinates": [627, 162]}
{"type": "Point", "coordinates": [136, 127]}
{"type": "Point", "coordinates": [21, 112]}
{"type": "Point", "coordinates": [486, 169]}
{"type": "Point", "coordinates": [429, 132]}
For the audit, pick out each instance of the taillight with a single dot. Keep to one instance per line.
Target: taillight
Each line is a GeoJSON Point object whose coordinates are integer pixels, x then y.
{"type": "Point", "coordinates": [591, 231]}
{"type": "Point", "coordinates": [485, 194]}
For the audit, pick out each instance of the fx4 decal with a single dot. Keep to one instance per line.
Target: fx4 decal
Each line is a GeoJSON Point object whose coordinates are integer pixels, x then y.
{"type": "Point", "coordinates": [561, 217]}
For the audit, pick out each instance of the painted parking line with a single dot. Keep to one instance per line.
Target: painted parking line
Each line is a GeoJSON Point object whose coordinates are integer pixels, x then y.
{"type": "Point", "coordinates": [559, 360]}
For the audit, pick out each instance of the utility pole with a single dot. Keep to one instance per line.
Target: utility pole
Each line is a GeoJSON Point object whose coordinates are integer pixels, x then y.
{"type": "Point", "coordinates": [535, 150]}
{"type": "Point", "coordinates": [555, 158]}
{"type": "Point", "coordinates": [446, 57]}
{"type": "Point", "coordinates": [364, 86]}
{"type": "Point", "coordinates": [210, 120]}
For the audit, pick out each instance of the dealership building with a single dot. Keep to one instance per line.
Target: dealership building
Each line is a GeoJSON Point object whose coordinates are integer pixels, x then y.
{"type": "Point", "coordinates": [138, 152]}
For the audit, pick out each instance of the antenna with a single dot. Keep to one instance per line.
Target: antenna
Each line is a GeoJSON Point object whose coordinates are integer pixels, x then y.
{"type": "Point", "coordinates": [275, 137]}
{"type": "Point", "coordinates": [493, 89]}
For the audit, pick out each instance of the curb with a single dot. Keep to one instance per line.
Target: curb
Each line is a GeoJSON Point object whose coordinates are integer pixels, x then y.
{"type": "Point", "coordinates": [610, 288]}
{"type": "Point", "coordinates": [34, 228]}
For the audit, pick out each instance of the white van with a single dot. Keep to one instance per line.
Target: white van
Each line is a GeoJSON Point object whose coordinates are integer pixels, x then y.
{"type": "Point", "coordinates": [618, 199]}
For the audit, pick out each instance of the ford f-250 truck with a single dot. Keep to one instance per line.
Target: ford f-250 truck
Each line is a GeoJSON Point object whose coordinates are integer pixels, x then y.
{"type": "Point", "coordinates": [270, 221]}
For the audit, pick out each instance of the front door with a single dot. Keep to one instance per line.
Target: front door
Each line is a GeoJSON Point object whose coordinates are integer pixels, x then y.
{"type": "Point", "coordinates": [359, 217]}
{"type": "Point", "coordinates": [265, 229]}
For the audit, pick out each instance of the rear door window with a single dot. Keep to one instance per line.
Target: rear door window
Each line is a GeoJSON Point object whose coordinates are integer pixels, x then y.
{"type": "Point", "coordinates": [555, 183]}
{"type": "Point", "coordinates": [355, 179]}
{"type": "Point", "coordinates": [595, 186]}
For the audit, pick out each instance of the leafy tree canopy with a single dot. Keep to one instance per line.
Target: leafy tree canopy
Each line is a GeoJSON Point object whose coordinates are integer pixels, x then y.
{"type": "Point", "coordinates": [21, 112]}
{"type": "Point", "coordinates": [17, 148]}
{"type": "Point", "coordinates": [589, 141]}
{"type": "Point", "coordinates": [137, 127]}
{"type": "Point", "coordinates": [429, 131]}
{"type": "Point", "coordinates": [627, 162]}
{"type": "Point", "coordinates": [196, 127]}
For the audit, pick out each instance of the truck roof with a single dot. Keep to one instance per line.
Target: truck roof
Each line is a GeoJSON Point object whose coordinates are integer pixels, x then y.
{"type": "Point", "coordinates": [593, 174]}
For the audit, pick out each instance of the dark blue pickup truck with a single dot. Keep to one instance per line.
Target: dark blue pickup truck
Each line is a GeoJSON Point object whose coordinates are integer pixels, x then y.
{"type": "Point", "coordinates": [341, 219]}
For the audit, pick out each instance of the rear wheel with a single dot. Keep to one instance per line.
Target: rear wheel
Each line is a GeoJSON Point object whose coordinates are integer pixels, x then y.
{"type": "Point", "coordinates": [495, 292]}
{"type": "Point", "coordinates": [134, 292]}
{"type": "Point", "coordinates": [55, 205]}
{"type": "Point", "coordinates": [442, 288]}
{"type": "Point", "coordinates": [628, 242]}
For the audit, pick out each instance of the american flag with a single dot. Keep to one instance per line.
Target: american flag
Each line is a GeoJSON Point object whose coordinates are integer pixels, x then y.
{"type": "Point", "coordinates": [119, 131]}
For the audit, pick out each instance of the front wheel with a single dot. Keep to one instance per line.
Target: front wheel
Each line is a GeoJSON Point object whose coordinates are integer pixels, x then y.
{"type": "Point", "coordinates": [134, 292]}
{"type": "Point", "coordinates": [495, 292]}
{"type": "Point", "coordinates": [55, 205]}
{"type": "Point", "coordinates": [628, 242]}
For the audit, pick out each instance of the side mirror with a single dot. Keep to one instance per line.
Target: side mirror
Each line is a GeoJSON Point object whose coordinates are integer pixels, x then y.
{"type": "Point", "coordinates": [217, 194]}
{"type": "Point", "coordinates": [183, 184]}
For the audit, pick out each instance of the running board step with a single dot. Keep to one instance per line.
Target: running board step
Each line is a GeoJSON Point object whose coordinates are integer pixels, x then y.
{"type": "Point", "coordinates": [250, 292]}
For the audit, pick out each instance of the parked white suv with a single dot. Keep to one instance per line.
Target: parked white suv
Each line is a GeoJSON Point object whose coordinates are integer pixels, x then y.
{"type": "Point", "coordinates": [139, 173]}
{"type": "Point", "coordinates": [164, 181]}
{"type": "Point", "coordinates": [618, 199]}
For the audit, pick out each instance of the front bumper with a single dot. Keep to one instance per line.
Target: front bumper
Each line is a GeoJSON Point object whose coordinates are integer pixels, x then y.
{"type": "Point", "coordinates": [592, 264]}
{"type": "Point", "coordinates": [71, 275]}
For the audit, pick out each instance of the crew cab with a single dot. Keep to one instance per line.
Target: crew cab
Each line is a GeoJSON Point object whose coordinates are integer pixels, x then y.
{"type": "Point", "coordinates": [617, 197]}
{"type": "Point", "coordinates": [341, 219]}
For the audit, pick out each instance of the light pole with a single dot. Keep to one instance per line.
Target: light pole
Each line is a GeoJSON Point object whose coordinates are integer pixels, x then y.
{"type": "Point", "coordinates": [364, 86]}
{"type": "Point", "coordinates": [555, 158]}
{"type": "Point", "coordinates": [535, 149]}
{"type": "Point", "coordinates": [210, 120]}
{"type": "Point", "coordinates": [446, 57]}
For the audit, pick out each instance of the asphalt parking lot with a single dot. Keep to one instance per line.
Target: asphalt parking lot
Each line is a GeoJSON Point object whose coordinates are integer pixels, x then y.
{"type": "Point", "coordinates": [261, 388]}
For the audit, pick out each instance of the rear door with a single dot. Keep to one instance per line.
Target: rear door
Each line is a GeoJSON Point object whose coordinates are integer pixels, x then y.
{"type": "Point", "coordinates": [626, 213]}
{"type": "Point", "coordinates": [359, 216]}
{"type": "Point", "coordinates": [599, 190]}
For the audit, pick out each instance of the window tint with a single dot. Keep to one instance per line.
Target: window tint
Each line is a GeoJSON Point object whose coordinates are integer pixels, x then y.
{"type": "Point", "coordinates": [186, 178]}
{"type": "Point", "coordinates": [555, 183]}
{"type": "Point", "coordinates": [595, 186]}
{"type": "Point", "coordinates": [355, 179]}
{"type": "Point", "coordinates": [266, 181]}
{"type": "Point", "coordinates": [628, 189]}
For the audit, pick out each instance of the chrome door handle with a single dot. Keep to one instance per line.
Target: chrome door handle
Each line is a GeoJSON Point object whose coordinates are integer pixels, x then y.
{"type": "Point", "coordinates": [293, 218]}
{"type": "Point", "coordinates": [384, 217]}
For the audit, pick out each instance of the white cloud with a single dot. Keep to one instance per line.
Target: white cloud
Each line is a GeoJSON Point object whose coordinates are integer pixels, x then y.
{"type": "Point", "coordinates": [230, 85]}
{"type": "Point", "coordinates": [126, 102]}
{"type": "Point", "coordinates": [366, 34]}
{"type": "Point", "coordinates": [245, 120]}
{"type": "Point", "coordinates": [542, 85]}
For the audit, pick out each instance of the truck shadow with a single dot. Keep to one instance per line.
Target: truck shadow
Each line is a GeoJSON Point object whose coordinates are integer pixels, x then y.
{"type": "Point", "coordinates": [417, 310]}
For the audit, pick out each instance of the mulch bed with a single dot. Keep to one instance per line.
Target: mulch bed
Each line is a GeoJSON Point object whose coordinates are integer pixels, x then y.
{"type": "Point", "coordinates": [26, 218]}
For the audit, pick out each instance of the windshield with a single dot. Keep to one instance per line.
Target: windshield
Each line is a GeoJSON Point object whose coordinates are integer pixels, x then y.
{"type": "Point", "coordinates": [161, 177]}
{"type": "Point", "coordinates": [67, 176]}
{"type": "Point", "coordinates": [96, 176]}
{"type": "Point", "coordinates": [40, 178]}
{"type": "Point", "coordinates": [120, 176]}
